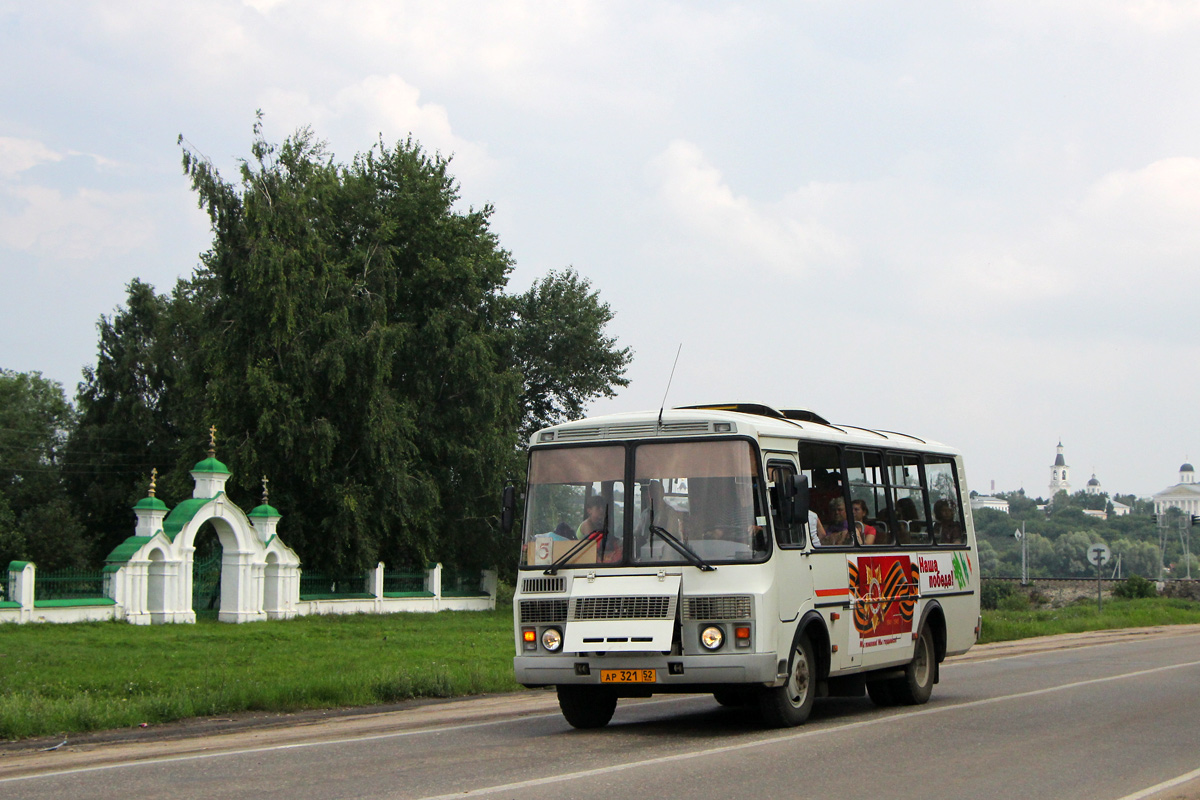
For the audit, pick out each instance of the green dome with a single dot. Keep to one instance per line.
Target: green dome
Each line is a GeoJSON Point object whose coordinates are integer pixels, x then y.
{"type": "Point", "coordinates": [264, 511]}
{"type": "Point", "coordinates": [211, 465]}
{"type": "Point", "coordinates": [151, 504]}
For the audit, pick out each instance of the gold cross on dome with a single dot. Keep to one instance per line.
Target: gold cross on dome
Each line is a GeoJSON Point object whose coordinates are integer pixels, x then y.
{"type": "Point", "coordinates": [265, 482]}
{"type": "Point", "coordinates": [153, 480]}
{"type": "Point", "coordinates": [212, 441]}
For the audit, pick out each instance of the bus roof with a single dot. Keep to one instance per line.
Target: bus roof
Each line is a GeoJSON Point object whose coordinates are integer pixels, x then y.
{"type": "Point", "coordinates": [723, 419]}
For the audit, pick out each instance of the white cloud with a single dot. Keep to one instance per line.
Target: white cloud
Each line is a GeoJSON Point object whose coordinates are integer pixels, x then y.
{"type": "Point", "coordinates": [82, 225]}
{"type": "Point", "coordinates": [19, 155]}
{"type": "Point", "coordinates": [1150, 211]}
{"type": "Point", "coordinates": [387, 106]}
{"type": "Point", "coordinates": [695, 196]}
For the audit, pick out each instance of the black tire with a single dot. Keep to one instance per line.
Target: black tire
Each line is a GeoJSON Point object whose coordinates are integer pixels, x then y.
{"type": "Point", "coordinates": [734, 698]}
{"type": "Point", "coordinates": [586, 706]}
{"type": "Point", "coordinates": [882, 693]}
{"type": "Point", "coordinates": [789, 705]}
{"type": "Point", "coordinates": [916, 686]}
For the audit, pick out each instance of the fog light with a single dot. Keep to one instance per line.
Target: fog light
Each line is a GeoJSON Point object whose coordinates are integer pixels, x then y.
{"type": "Point", "coordinates": [712, 637]}
{"type": "Point", "coordinates": [552, 639]}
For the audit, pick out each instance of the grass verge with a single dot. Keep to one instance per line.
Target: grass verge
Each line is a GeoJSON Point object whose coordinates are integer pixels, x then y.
{"type": "Point", "coordinates": [1003, 626]}
{"type": "Point", "coordinates": [92, 676]}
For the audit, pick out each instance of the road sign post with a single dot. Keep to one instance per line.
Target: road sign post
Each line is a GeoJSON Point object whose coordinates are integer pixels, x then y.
{"type": "Point", "coordinates": [1098, 555]}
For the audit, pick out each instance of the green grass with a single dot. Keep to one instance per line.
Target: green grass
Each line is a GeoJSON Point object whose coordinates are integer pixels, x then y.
{"type": "Point", "coordinates": [91, 676]}
{"type": "Point", "coordinates": [1002, 626]}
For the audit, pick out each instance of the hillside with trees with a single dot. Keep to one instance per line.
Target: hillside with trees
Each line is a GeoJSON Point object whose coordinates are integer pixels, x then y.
{"type": "Point", "coordinates": [1060, 534]}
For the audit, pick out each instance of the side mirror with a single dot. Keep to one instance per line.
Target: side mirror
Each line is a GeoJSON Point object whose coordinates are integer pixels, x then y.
{"type": "Point", "coordinates": [799, 502]}
{"type": "Point", "coordinates": [508, 509]}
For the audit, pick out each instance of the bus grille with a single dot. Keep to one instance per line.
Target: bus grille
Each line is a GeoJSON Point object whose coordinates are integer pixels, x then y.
{"type": "Point", "coordinates": [623, 608]}
{"type": "Point", "coordinates": [533, 611]}
{"type": "Point", "coordinates": [717, 608]}
{"type": "Point", "coordinates": [534, 585]}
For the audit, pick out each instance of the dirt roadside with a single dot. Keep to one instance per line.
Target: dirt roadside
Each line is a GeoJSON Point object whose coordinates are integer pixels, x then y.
{"type": "Point", "coordinates": [199, 737]}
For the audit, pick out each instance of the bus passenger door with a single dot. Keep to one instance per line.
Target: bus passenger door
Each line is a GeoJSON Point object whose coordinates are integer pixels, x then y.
{"type": "Point", "coordinates": [793, 580]}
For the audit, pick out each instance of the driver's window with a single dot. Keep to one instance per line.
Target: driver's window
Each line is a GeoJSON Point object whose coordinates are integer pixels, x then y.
{"type": "Point", "coordinates": [787, 533]}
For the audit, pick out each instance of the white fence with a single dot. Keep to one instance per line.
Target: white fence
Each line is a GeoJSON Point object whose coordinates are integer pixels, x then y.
{"type": "Point", "coordinates": [18, 601]}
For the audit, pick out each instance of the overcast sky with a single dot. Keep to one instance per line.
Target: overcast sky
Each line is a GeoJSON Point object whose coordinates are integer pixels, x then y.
{"type": "Point", "coordinates": [974, 222]}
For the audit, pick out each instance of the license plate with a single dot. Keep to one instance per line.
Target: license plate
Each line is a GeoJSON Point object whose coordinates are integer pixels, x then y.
{"type": "Point", "coordinates": [628, 676]}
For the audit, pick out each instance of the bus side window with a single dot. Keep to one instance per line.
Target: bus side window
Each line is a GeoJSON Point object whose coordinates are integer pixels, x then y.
{"type": "Point", "coordinates": [948, 527]}
{"type": "Point", "coordinates": [822, 465]}
{"type": "Point", "coordinates": [787, 534]}
{"type": "Point", "coordinates": [908, 499]}
{"type": "Point", "coordinates": [864, 470]}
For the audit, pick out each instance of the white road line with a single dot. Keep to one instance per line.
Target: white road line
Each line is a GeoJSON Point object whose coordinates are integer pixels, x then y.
{"type": "Point", "coordinates": [587, 773]}
{"type": "Point", "coordinates": [1162, 787]}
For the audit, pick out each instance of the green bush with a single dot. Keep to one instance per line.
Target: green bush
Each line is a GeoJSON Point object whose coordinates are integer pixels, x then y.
{"type": "Point", "coordinates": [1015, 601]}
{"type": "Point", "coordinates": [992, 592]}
{"type": "Point", "coordinates": [1134, 587]}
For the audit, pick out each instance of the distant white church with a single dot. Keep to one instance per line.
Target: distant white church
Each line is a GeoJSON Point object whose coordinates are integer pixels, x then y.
{"type": "Point", "coordinates": [1059, 481]}
{"type": "Point", "coordinates": [1184, 495]}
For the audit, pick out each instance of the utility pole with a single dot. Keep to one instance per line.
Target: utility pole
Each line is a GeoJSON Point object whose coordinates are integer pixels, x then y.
{"type": "Point", "coordinates": [1020, 536]}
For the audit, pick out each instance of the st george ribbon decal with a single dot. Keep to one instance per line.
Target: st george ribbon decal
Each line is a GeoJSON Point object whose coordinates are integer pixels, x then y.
{"type": "Point", "coordinates": [885, 590]}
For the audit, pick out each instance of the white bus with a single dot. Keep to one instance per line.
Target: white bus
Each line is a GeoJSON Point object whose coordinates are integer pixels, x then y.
{"type": "Point", "coordinates": [763, 555]}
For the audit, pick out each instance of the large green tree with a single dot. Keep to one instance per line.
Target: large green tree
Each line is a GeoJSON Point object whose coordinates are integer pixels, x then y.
{"type": "Point", "coordinates": [355, 345]}
{"type": "Point", "coordinates": [36, 521]}
{"type": "Point", "coordinates": [349, 335]}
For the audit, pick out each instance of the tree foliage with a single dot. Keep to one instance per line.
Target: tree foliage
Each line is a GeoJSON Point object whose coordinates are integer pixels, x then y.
{"type": "Point", "coordinates": [349, 335]}
{"type": "Point", "coordinates": [35, 517]}
{"type": "Point", "coordinates": [562, 353]}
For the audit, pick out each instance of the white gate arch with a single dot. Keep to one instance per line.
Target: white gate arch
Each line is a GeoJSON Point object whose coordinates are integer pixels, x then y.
{"type": "Point", "coordinates": [155, 584]}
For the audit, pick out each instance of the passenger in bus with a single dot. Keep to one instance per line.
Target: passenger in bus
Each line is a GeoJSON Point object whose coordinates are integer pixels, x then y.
{"type": "Point", "coordinates": [837, 532]}
{"type": "Point", "coordinates": [945, 523]}
{"type": "Point", "coordinates": [866, 533]}
{"type": "Point", "coordinates": [909, 521]}
{"type": "Point", "coordinates": [816, 531]}
{"type": "Point", "coordinates": [593, 520]}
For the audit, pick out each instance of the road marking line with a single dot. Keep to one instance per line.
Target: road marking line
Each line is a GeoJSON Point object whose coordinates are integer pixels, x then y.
{"type": "Point", "coordinates": [1162, 787]}
{"type": "Point", "coordinates": [510, 787]}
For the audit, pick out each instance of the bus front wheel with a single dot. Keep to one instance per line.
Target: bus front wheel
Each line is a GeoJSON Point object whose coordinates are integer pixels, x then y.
{"type": "Point", "coordinates": [789, 705]}
{"type": "Point", "coordinates": [586, 706]}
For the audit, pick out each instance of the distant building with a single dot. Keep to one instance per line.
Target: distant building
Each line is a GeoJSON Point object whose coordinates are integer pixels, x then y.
{"type": "Point", "coordinates": [1095, 512]}
{"type": "Point", "coordinates": [987, 501]}
{"type": "Point", "coordinates": [1184, 495]}
{"type": "Point", "coordinates": [1119, 509]}
{"type": "Point", "coordinates": [1093, 485]}
{"type": "Point", "coordinates": [1059, 481]}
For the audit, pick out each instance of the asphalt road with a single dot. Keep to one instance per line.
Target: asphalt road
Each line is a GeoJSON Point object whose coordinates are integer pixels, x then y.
{"type": "Point", "coordinates": [1091, 716]}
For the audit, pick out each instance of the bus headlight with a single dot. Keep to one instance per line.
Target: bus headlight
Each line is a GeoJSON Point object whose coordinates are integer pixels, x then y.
{"type": "Point", "coordinates": [712, 637]}
{"type": "Point", "coordinates": [552, 639]}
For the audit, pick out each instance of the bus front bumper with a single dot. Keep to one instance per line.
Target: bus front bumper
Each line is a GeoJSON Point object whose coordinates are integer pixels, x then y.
{"type": "Point", "coordinates": [671, 672]}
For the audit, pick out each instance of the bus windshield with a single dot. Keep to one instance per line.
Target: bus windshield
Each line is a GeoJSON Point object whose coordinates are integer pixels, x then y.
{"type": "Point", "coordinates": [686, 502]}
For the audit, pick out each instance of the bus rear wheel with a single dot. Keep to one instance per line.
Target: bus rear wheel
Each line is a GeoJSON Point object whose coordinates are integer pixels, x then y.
{"type": "Point", "coordinates": [586, 706]}
{"type": "Point", "coordinates": [789, 705]}
{"type": "Point", "coordinates": [916, 686]}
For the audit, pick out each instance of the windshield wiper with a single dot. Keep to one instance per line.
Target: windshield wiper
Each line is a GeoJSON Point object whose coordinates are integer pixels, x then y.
{"type": "Point", "coordinates": [567, 556]}
{"type": "Point", "coordinates": [599, 537]}
{"type": "Point", "coordinates": [683, 550]}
